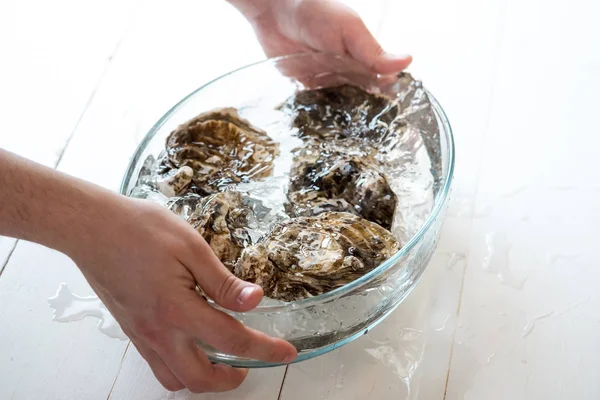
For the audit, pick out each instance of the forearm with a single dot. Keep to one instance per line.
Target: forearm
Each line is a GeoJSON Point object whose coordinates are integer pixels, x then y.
{"type": "Point", "coordinates": [45, 206]}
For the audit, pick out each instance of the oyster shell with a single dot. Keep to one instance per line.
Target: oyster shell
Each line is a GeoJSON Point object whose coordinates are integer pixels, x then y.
{"type": "Point", "coordinates": [222, 149]}
{"type": "Point", "coordinates": [340, 112]}
{"type": "Point", "coordinates": [308, 256]}
{"type": "Point", "coordinates": [221, 219]}
{"type": "Point", "coordinates": [175, 181]}
{"type": "Point", "coordinates": [326, 177]}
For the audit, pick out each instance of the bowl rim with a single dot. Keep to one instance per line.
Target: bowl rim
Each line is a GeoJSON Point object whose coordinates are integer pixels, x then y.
{"type": "Point", "coordinates": [384, 266]}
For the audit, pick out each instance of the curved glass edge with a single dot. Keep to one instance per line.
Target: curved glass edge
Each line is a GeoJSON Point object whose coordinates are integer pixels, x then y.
{"type": "Point", "coordinates": [241, 363]}
{"type": "Point", "coordinates": [440, 202]}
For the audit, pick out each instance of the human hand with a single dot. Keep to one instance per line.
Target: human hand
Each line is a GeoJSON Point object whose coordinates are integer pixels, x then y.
{"type": "Point", "coordinates": [143, 262]}
{"type": "Point", "coordinates": [286, 27]}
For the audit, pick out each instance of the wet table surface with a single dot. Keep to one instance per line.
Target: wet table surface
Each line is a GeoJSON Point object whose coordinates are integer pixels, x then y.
{"type": "Point", "coordinates": [508, 307]}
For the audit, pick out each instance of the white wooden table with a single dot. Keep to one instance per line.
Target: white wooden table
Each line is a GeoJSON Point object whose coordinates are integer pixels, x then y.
{"type": "Point", "coordinates": [509, 307]}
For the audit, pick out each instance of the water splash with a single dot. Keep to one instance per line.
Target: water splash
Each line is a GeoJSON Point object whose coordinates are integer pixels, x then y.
{"type": "Point", "coordinates": [454, 259]}
{"type": "Point", "coordinates": [497, 260]}
{"type": "Point", "coordinates": [403, 357]}
{"type": "Point", "coordinates": [69, 307]}
{"type": "Point", "coordinates": [483, 211]}
{"type": "Point", "coordinates": [516, 191]}
{"type": "Point", "coordinates": [461, 206]}
{"type": "Point", "coordinates": [572, 305]}
{"type": "Point", "coordinates": [529, 327]}
{"type": "Point", "coordinates": [443, 326]}
{"type": "Point", "coordinates": [553, 258]}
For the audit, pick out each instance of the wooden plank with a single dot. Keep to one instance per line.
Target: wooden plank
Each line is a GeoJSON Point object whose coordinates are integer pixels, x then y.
{"type": "Point", "coordinates": [7, 246]}
{"type": "Point", "coordinates": [529, 320]}
{"type": "Point", "coordinates": [395, 358]}
{"type": "Point", "coordinates": [42, 359]}
{"type": "Point", "coordinates": [417, 367]}
{"type": "Point", "coordinates": [53, 57]}
{"type": "Point", "coordinates": [139, 87]}
{"type": "Point", "coordinates": [137, 382]}
{"type": "Point", "coordinates": [51, 72]}
{"type": "Point", "coordinates": [52, 63]}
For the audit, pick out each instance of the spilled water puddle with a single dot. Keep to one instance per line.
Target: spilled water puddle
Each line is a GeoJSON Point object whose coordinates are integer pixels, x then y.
{"type": "Point", "coordinates": [69, 307]}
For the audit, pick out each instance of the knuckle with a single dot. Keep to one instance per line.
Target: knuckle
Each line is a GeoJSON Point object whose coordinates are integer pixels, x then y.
{"type": "Point", "coordinates": [227, 287]}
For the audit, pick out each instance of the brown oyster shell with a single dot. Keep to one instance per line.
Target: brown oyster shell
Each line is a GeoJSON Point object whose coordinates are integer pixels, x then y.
{"type": "Point", "coordinates": [222, 149]}
{"type": "Point", "coordinates": [341, 112]}
{"type": "Point", "coordinates": [221, 219]}
{"type": "Point", "coordinates": [326, 177]}
{"type": "Point", "coordinates": [308, 256]}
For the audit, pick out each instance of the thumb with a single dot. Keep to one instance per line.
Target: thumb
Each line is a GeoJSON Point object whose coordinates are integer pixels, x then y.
{"type": "Point", "coordinates": [230, 292]}
{"type": "Point", "coordinates": [219, 284]}
{"type": "Point", "coordinates": [362, 46]}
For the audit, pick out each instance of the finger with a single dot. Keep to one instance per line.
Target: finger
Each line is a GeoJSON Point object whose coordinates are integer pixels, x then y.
{"type": "Point", "coordinates": [159, 368]}
{"type": "Point", "coordinates": [217, 282]}
{"type": "Point", "coordinates": [194, 369]}
{"type": "Point", "coordinates": [361, 45]}
{"type": "Point", "coordinates": [228, 335]}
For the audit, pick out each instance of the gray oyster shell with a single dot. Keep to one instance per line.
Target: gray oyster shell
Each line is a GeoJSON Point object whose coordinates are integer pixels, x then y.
{"type": "Point", "coordinates": [308, 256]}
{"type": "Point", "coordinates": [221, 219]}
{"type": "Point", "coordinates": [326, 177]}
{"type": "Point", "coordinates": [221, 148]}
{"type": "Point", "coordinates": [341, 112]}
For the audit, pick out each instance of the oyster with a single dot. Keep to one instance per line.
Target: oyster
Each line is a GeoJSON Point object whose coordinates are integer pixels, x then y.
{"type": "Point", "coordinates": [341, 112]}
{"type": "Point", "coordinates": [326, 177]}
{"type": "Point", "coordinates": [221, 148]}
{"type": "Point", "coordinates": [221, 219]}
{"type": "Point", "coordinates": [307, 256]}
{"type": "Point", "coordinates": [175, 181]}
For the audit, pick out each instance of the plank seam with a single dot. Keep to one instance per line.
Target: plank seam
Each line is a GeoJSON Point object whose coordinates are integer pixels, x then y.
{"type": "Point", "coordinates": [118, 371]}
{"type": "Point", "coordinates": [10, 253]}
{"type": "Point", "coordinates": [283, 382]}
{"type": "Point", "coordinates": [478, 178]}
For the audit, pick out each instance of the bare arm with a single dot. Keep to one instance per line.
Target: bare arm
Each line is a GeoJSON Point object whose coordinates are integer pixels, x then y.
{"type": "Point", "coordinates": [144, 263]}
{"type": "Point", "coordinates": [45, 206]}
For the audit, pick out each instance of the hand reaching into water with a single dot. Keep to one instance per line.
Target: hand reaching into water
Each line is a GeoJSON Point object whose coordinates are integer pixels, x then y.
{"type": "Point", "coordinates": [143, 262]}
{"type": "Point", "coordinates": [144, 265]}
{"type": "Point", "coordinates": [294, 26]}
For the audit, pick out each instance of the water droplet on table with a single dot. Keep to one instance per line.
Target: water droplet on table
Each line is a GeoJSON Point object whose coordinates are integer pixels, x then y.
{"type": "Point", "coordinates": [497, 260]}
{"type": "Point", "coordinates": [69, 307]}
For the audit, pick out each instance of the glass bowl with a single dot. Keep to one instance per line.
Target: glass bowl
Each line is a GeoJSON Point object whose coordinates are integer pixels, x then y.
{"type": "Point", "coordinates": [323, 323]}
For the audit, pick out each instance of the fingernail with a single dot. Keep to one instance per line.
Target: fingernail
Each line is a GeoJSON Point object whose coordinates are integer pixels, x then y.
{"type": "Point", "coordinates": [394, 57]}
{"type": "Point", "coordinates": [245, 294]}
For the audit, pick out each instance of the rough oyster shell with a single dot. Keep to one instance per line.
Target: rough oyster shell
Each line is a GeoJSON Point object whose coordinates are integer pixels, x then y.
{"type": "Point", "coordinates": [221, 219]}
{"type": "Point", "coordinates": [326, 177]}
{"type": "Point", "coordinates": [340, 112]}
{"type": "Point", "coordinates": [308, 256]}
{"type": "Point", "coordinates": [222, 149]}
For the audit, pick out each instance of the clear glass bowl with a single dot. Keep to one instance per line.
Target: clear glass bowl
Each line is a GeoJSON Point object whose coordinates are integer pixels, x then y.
{"type": "Point", "coordinates": [323, 323]}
